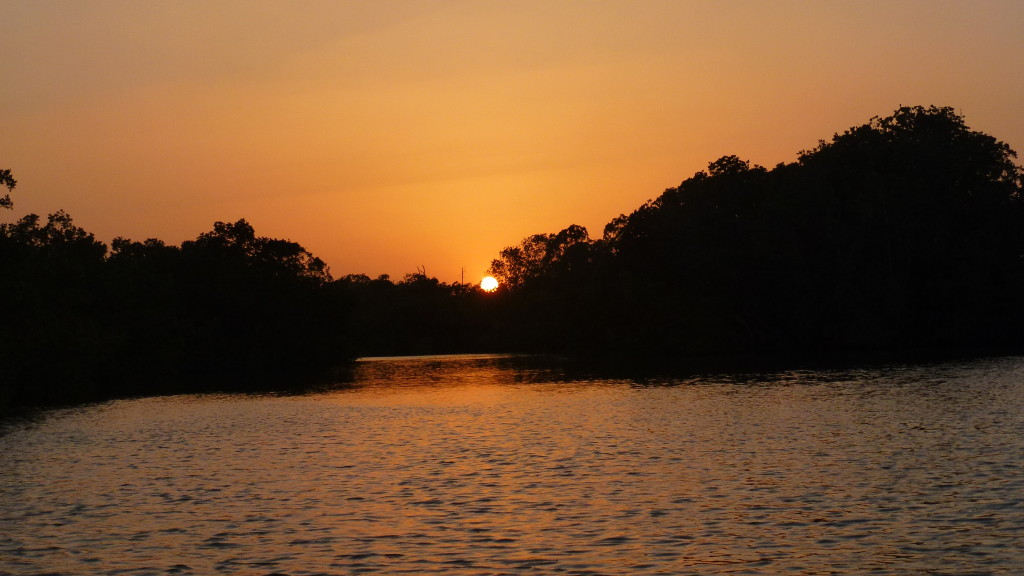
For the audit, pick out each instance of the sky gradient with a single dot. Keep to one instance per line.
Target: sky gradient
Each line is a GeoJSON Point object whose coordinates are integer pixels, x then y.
{"type": "Point", "coordinates": [390, 135]}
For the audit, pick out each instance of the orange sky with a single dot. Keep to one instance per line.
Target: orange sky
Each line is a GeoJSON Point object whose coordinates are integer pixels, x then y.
{"type": "Point", "coordinates": [388, 135]}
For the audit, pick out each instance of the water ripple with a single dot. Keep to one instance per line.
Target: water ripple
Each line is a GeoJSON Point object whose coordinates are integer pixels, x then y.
{"type": "Point", "coordinates": [479, 465]}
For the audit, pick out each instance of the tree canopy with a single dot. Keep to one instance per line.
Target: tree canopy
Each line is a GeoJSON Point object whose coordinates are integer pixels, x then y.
{"type": "Point", "coordinates": [904, 232]}
{"type": "Point", "coordinates": [7, 180]}
{"type": "Point", "coordinates": [227, 308]}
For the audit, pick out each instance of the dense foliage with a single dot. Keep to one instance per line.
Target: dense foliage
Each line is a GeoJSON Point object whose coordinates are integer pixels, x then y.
{"type": "Point", "coordinates": [228, 308]}
{"type": "Point", "coordinates": [904, 233]}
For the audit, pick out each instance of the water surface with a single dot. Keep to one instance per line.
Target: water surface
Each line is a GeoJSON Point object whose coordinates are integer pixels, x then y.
{"type": "Point", "coordinates": [477, 465]}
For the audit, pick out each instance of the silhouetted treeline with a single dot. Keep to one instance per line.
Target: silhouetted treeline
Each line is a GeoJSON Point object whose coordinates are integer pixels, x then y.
{"type": "Point", "coordinates": [229, 310]}
{"type": "Point", "coordinates": [905, 233]}
{"type": "Point", "coordinates": [419, 315]}
{"type": "Point", "coordinates": [224, 310]}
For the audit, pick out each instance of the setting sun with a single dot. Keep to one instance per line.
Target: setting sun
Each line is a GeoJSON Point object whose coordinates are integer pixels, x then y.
{"type": "Point", "coordinates": [489, 284]}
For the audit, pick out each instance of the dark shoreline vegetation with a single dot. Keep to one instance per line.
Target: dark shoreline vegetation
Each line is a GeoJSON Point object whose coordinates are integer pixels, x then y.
{"type": "Point", "coordinates": [903, 235]}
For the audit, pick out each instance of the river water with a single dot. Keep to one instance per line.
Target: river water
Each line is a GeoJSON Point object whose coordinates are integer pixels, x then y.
{"type": "Point", "coordinates": [473, 465]}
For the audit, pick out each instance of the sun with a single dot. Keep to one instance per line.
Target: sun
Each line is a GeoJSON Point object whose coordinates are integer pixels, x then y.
{"type": "Point", "coordinates": [489, 284]}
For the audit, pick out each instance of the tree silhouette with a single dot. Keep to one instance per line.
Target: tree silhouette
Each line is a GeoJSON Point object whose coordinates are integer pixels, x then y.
{"type": "Point", "coordinates": [902, 233]}
{"type": "Point", "coordinates": [51, 295]}
{"type": "Point", "coordinates": [228, 309]}
{"type": "Point", "coordinates": [7, 180]}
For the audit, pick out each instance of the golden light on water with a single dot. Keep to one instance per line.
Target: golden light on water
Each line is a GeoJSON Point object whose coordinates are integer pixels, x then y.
{"type": "Point", "coordinates": [489, 284]}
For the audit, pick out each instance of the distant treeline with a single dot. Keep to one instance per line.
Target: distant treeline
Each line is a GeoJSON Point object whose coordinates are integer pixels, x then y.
{"type": "Point", "coordinates": [227, 311]}
{"type": "Point", "coordinates": [904, 234]}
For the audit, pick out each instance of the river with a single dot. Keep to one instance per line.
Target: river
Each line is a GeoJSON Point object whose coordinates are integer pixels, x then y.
{"type": "Point", "coordinates": [474, 465]}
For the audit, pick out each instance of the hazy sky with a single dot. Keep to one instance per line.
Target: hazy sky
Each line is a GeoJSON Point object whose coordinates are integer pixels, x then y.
{"type": "Point", "coordinates": [388, 135]}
